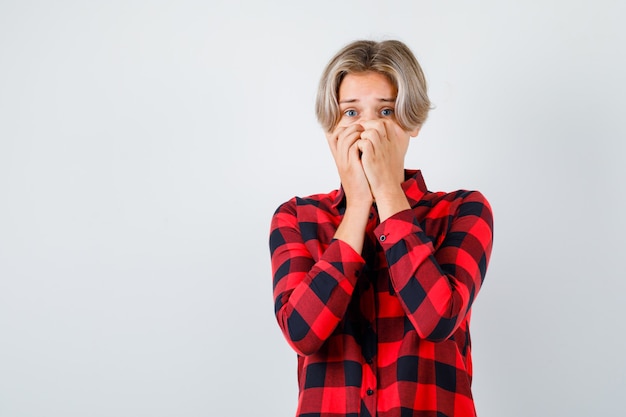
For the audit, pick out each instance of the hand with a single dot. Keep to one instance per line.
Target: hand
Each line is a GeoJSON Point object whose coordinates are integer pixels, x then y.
{"type": "Point", "coordinates": [383, 145]}
{"type": "Point", "coordinates": [343, 145]}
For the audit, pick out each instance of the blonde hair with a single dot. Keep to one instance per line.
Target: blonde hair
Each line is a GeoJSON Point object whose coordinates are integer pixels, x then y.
{"type": "Point", "coordinates": [391, 58]}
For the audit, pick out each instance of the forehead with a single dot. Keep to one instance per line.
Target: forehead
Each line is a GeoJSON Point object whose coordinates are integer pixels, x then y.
{"type": "Point", "coordinates": [368, 83]}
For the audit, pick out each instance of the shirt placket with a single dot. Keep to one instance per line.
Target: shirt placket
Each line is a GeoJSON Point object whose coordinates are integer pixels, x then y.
{"type": "Point", "coordinates": [370, 374]}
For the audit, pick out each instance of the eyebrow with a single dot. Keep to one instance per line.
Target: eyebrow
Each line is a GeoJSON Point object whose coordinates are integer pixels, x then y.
{"type": "Point", "coordinates": [354, 100]}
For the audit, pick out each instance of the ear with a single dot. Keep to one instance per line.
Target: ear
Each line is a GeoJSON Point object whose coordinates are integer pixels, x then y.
{"type": "Point", "coordinates": [413, 133]}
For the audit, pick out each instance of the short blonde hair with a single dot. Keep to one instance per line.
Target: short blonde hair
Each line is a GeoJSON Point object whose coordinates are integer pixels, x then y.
{"type": "Point", "coordinates": [391, 58]}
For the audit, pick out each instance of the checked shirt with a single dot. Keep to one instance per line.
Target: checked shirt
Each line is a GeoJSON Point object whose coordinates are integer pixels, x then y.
{"type": "Point", "coordinates": [384, 333]}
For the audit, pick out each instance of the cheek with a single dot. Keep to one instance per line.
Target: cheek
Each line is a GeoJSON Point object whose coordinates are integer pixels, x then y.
{"type": "Point", "coordinates": [403, 140]}
{"type": "Point", "coordinates": [405, 145]}
{"type": "Point", "coordinates": [346, 121]}
{"type": "Point", "coordinates": [402, 135]}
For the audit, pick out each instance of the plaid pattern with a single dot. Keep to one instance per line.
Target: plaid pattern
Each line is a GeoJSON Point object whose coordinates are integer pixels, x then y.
{"type": "Point", "coordinates": [386, 333]}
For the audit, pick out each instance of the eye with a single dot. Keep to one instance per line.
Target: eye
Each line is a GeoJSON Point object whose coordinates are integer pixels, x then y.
{"type": "Point", "coordinates": [386, 112]}
{"type": "Point", "coordinates": [350, 113]}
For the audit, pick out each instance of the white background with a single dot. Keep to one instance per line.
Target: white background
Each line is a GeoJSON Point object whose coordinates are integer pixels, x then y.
{"type": "Point", "coordinates": [144, 146]}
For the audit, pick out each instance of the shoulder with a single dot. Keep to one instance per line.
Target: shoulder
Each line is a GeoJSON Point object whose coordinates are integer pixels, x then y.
{"type": "Point", "coordinates": [323, 202]}
{"type": "Point", "coordinates": [458, 197]}
{"type": "Point", "coordinates": [468, 199]}
{"type": "Point", "coordinates": [472, 203]}
{"type": "Point", "coordinates": [456, 204]}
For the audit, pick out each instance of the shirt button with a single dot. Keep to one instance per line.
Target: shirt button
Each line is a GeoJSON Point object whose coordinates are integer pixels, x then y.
{"type": "Point", "coordinates": [369, 361]}
{"type": "Point", "coordinates": [370, 392]}
{"type": "Point", "coordinates": [371, 215]}
{"type": "Point", "coordinates": [382, 238]}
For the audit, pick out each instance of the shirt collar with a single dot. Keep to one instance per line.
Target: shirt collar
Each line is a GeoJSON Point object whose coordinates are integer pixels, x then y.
{"type": "Point", "coordinates": [414, 187]}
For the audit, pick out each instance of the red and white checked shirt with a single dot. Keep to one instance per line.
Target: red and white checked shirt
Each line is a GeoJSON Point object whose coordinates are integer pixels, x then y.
{"type": "Point", "coordinates": [384, 333]}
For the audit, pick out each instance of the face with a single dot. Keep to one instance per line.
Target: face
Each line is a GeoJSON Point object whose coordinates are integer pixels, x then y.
{"type": "Point", "coordinates": [369, 96]}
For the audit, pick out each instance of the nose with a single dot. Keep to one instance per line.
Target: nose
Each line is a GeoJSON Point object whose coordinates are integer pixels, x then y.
{"type": "Point", "coordinates": [368, 115]}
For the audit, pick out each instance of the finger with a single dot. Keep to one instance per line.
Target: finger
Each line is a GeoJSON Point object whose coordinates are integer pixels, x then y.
{"type": "Point", "coordinates": [373, 138]}
{"type": "Point", "coordinates": [333, 135]}
{"type": "Point", "coordinates": [378, 126]}
{"type": "Point", "coordinates": [333, 139]}
{"type": "Point", "coordinates": [354, 153]}
{"type": "Point", "coordinates": [365, 146]}
{"type": "Point", "coordinates": [371, 134]}
{"type": "Point", "coordinates": [350, 130]}
{"type": "Point", "coordinates": [347, 139]}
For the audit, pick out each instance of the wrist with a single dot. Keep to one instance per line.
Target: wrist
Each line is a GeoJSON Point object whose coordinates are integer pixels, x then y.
{"type": "Point", "coordinates": [388, 193]}
{"type": "Point", "coordinates": [357, 205]}
{"type": "Point", "coordinates": [391, 203]}
{"type": "Point", "coordinates": [351, 230]}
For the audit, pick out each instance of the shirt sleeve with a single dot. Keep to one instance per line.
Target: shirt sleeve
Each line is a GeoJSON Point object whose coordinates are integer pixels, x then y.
{"type": "Point", "coordinates": [310, 296]}
{"type": "Point", "coordinates": [437, 287]}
